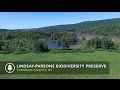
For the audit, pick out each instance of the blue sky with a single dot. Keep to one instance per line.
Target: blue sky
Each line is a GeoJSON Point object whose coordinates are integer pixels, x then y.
{"type": "Point", "coordinates": [19, 20]}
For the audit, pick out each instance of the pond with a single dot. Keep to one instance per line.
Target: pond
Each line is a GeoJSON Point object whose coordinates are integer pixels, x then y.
{"type": "Point", "coordinates": [55, 44]}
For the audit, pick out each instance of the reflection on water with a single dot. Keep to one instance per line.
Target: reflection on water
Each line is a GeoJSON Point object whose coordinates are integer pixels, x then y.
{"type": "Point", "coordinates": [55, 44]}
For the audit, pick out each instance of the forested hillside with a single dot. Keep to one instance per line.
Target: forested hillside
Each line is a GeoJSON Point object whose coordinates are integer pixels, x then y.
{"type": "Point", "coordinates": [105, 27]}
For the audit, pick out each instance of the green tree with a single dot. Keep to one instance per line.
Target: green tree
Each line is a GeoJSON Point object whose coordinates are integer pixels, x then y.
{"type": "Point", "coordinates": [40, 46]}
{"type": "Point", "coordinates": [66, 45]}
{"type": "Point", "coordinates": [94, 42]}
{"type": "Point", "coordinates": [107, 43]}
{"type": "Point", "coordinates": [1, 44]}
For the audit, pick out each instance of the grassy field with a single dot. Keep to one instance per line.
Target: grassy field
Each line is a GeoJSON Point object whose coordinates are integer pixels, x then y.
{"type": "Point", "coordinates": [112, 57]}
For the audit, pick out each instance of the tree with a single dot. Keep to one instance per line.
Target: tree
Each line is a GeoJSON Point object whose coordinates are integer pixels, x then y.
{"type": "Point", "coordinates": [83, 38]}
{"type": "Point", "coordinates": [66, 45]}
{"type": "Point", "coordinates": [1, 44]}
{"type": "Point", "coordinates": [40, 46]}
{"type": "Point", "coordinates": [94, 42]}
{"type": "Point", "coordinates": [8, 36]}
{"type": "Point", "coordinates": [107, 43]}
{"type": "Point", "coordinates": [104, 43]}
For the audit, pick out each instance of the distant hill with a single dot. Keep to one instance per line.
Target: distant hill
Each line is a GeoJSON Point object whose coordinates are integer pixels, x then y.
{"type": "Point", "coordinates": [87, 25]}
{"type": "Point", "coordinates": [2, 30]}
{"type": "Point", "coordinates": [107, 26]}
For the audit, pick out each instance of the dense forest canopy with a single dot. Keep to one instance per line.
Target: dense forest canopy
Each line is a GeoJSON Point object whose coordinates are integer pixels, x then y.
{"type": "Point", "coordinates": [32, 41]}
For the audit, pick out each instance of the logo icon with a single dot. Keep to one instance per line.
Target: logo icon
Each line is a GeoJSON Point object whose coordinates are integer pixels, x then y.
{"type": "Point", "coordinates": [9, 67]}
